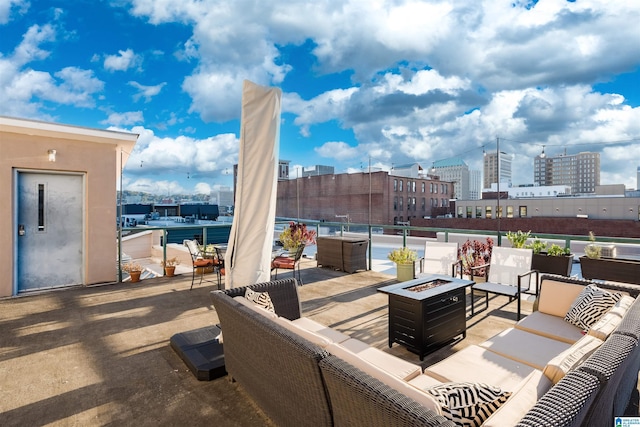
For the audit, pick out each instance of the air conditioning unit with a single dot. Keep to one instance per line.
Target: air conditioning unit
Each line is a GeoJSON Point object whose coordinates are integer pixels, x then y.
{"type": "Point", "coordinates": [608, 251]}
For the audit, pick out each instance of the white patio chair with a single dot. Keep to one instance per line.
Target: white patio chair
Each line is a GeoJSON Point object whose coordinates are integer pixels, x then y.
{"type": "Point", "coordinates": [509, 274]}
{"type": "Point", "coordinates": [440, 258]}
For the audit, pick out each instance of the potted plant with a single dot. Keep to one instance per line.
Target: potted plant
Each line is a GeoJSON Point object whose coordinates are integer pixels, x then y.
{"type": "Point", "coordinates": [595, 266]}
{"type": "Point", "coordinates": [134, 269]}
{"type": "Point", "coordinates": [295, 235]}
{"type": "Point", "coordinates": [475, 255]}
{"type": "Point", "coordinates": [170, 266]}
{"type": "Point", "coordinates": [405, 259]}
{"type": "Point", "coordinates": [518, 239]}
{"type": "Point", "coordinates": [552, 259]}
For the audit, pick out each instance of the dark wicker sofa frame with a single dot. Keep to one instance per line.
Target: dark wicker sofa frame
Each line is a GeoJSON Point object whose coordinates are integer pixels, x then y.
{"type": "Point", "coordinates": [297, 383]}
{"type": "Point", "coordinates": [293, 380]}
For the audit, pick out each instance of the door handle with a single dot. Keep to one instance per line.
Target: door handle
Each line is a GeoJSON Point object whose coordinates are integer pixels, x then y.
{"type": "Point", "coordinates": [21, 230]}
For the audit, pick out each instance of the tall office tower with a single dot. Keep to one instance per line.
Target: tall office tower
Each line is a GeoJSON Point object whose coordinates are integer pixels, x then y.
{"type": "Point", "coordinates": [580, 171]}
{"type": "Point", "coordinates": [491, 168]}
{"type": "Point", "coordinates": [475, 185]}
{"type": "Point", "coordinates": [456, 171]}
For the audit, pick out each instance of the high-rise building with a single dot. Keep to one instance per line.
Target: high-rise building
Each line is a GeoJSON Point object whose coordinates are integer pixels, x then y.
{"type": "Point", "coordinates": [454, 170]}
{"type": "Point", "coordinates": [491, 168]}
{"type": "Point", "coordinates": [475, 185]}
{"type": "Point", "coordinates": [580, 171]}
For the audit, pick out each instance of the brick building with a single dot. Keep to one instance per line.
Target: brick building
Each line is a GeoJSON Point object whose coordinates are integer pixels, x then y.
{"type": "Point", "coordinates": [377, 197]}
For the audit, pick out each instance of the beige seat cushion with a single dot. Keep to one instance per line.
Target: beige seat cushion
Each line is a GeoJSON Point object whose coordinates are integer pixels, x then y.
{"type": "Point", "coordinates": [571, 358]}
{"type": "Point", "coordinates": [476, 364]}
{"type": "Point", "coordinates": [385, 361]}
{"type": "Point", "coordinates": [315, 338]}
{"type": "Point", "coordinates": [550, 326]}
{"type": "Point", "coordinates": [531, 389]}
{"type": "Point", "coordinates": [556, 297]}
{"type": "Point", "coordinates": [525, 347]}
{"type": "Point", "coordinates": [610, 321]}
{"type": "Point", "coordinates": [424, 399]}
{"type": "Point", "coordinates": [318, 328]}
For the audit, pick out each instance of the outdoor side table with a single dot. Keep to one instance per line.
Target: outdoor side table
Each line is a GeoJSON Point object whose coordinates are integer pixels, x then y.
{"type": "Point", "coordinates": [342, 253]}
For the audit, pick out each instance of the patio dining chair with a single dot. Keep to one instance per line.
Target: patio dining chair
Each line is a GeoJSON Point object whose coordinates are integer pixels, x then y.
{"type": "Point", "coordinates": [219, 265]}
{"type": "Point", "coordinates": [441, 258]}
{"type": "Point", "coordinates": [509, 274]}
{"type": "Point", "coordinates": [198, 261]}
{"type": "Point", "coordinates": [285, 262]}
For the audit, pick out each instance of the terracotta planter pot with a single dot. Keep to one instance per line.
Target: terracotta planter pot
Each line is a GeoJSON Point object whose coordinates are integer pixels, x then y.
{"type": "Point", "coordinates": [405, 272]}
{"type": "Point", "coordinates": [560, 265]}
{"type": "Point", "coordinates": [613, 269]}
{"type": "Point", "coordinates": [135, 276]}
{"type": "Point", "coordinates": [170, 270]}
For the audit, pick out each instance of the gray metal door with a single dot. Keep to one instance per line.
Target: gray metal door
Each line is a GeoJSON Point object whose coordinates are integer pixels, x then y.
{"type": "Point", "coordinates": [50, 230]}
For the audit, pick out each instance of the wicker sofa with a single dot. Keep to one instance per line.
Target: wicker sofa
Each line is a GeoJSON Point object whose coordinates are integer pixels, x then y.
{"type": "Point", "coordinates": [302, 373]}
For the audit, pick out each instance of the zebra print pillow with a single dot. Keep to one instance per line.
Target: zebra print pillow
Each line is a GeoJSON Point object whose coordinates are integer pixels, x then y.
{"type": "Point", "coordinates": [260, 298]}
{"type": "Point", "coordinates": [592, 303]}
{"type": "Point", "coordinates": [468, 404]}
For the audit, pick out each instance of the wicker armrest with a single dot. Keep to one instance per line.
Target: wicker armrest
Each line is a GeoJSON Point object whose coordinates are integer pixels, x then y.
{"type": "Point", "coordinates": [357, 399]}
{"type": "Point", "coordinates": [283, 294]}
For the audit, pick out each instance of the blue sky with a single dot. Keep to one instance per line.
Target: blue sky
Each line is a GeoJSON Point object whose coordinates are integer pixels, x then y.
{"type": "Point", "coordinates": [395, 81]}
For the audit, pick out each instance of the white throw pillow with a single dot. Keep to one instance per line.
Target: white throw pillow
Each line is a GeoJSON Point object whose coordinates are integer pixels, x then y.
{"type": "Point", "coordinates": [260, 298]}
{"type": "Point", "coordinates": [590, 306]}
{"type": "Point", "coordinates": [468, 404]}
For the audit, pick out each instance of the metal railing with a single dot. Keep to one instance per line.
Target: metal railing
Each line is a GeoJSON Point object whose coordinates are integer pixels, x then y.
{"type": "Point", "coordinates": [211, 233]}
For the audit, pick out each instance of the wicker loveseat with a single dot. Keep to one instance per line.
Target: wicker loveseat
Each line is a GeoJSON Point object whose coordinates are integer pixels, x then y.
{"type": "Point", "coordinates": [300, 378]}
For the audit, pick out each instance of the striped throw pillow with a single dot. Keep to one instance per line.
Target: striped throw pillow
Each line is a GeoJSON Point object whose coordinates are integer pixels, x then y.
{"type": "Point", "coordinates": [592, 303]}
{"type": "Point", "coordinates": [260, 298]}
{"type": "Point", "coordinates": [468, 404]}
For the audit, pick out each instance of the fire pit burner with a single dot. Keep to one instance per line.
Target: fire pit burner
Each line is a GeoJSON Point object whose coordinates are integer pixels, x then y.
{"type": "Point", "coordinates": [428, 285]}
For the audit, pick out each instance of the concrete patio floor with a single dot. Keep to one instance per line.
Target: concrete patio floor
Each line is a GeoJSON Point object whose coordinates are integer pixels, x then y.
{"type": "Point", "coordinates": [100, 355]}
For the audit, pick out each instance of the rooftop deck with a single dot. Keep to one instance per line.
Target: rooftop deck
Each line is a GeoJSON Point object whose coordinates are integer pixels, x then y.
{"type": "Point", "coordinates": [101, 356]}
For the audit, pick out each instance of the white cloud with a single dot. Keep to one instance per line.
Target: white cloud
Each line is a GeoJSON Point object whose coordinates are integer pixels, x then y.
{"type": "Point", "coordinates": [124, 119]}
{"type": "Point", "coordinates": [6, 6]}
{"type": "Point", "coordinates": [146, 92]}
{"type": "Point", "coordinates": [124, 60]}
{"type": "Point", "coordinates": [182, 155]}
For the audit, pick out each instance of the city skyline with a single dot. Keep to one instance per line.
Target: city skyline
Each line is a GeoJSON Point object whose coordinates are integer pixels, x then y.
{"type": "Point", "coordinates": [387, 82]}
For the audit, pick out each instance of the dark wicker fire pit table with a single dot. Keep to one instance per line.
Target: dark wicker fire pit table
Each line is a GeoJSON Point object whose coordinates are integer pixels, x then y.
{"type": "Point", "coordinates": [426, 313]}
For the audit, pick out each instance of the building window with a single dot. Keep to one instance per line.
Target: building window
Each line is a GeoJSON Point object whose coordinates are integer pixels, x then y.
{"type": "Point", "coordinates": [435, 189]}
{"type": "Point", "coordinates": [509, 211]}
{"type": "Point", "coordinates": [469, 212]}
{"type": "Point", "coordinates": [395, 185]}
{"type": "Point", "coordinates": [431, 187]}
{"type": "Point", "coordinates": [413, 186]}
{"type": "Point", "coordinates": [442, 189]}
{"type": "Point", "coordinates": [413, 202]}
{"type": "Point", "coordinates": [400, 185]}
{"type": "Point", "coordinates": [400, 203]}
{"type": "Point", "coordinates": [395, 203]}
{"type": "Point", "coordinates": [488, 212]}
{"type": "Point", "coordinates": [424, 204]}
{"type": "Point", "coordinates": [461, 211]}
{"type": "Point", "coordinates": [523, 211]}
{"type": "Point", "coordinates": [424, 187]}
{"type": "Point", "coordinates": [478, 211]}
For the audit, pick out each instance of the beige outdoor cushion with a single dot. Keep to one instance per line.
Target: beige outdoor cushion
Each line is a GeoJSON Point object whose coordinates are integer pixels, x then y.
{"type": "Point", "coordinates": [569, 359]}
{"type": "Point", "coordinates": [556, 297]}
{"type": "Point", "coordinates": [385, 377]}
{"type": "Point", "coordinates": [476, 364]}
{"type": "Point", "coordinates": [610, 321]}
{"type": "Point", "coordinates": [255, 307]}
{"type": "Point", "coordinates": [525, 347]}
{"type": "Point", "coordinates": [315, 338]}
{"type": "Point", "coordinates": [318, 328]}
{"type": "Point", "coordinates": [521, 401]}
{"type": "Point", "coordinates": [550, 326]}
{"type": "Point", "coordinates": [385, 361]}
